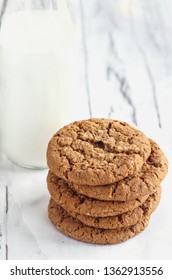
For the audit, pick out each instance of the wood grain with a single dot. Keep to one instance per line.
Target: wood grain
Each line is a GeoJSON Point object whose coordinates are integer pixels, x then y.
{"type": "Point", "coordinates": [128, 60]}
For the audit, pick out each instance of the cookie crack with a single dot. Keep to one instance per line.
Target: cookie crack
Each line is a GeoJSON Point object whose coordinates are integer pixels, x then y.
{"type": "Point", "coordinates": [131, 229]}
{"type": "Point", "coordinates": [106, 148]}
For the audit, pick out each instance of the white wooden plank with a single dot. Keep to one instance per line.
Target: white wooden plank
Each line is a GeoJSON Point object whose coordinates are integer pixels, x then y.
{"type": "Point", "coordinates": [156, 31]}
{"type": "Point", "coordinates": [127, 66]}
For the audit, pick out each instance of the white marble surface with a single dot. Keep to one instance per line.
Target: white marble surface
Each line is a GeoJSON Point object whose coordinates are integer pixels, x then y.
{"type": "Point", "coordinates": [125, 72]}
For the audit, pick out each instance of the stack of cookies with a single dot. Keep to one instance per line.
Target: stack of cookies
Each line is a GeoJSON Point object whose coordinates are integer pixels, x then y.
{"type": "Point", "coordinates": [104, 180]}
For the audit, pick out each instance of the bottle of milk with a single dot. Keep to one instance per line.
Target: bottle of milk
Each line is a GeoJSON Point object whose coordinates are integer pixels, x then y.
{"type": "Point", "coordinates": [34, 57]}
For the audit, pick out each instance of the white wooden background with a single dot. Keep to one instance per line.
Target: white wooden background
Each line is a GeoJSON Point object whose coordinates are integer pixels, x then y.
{"type": "Point", "coordinates": [125, 72]}
{"type": "Point", "coordinates": [126, 56]}
{"type": "Point", "coordinates": [127, 48]}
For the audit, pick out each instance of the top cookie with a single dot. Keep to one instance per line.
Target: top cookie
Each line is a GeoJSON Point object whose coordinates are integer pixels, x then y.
{"type": "Point", "coordinates": [97, 151]}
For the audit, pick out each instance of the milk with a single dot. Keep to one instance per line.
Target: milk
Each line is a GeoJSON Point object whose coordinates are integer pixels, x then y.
{"type": "Point", "coordinates": [33, 82]}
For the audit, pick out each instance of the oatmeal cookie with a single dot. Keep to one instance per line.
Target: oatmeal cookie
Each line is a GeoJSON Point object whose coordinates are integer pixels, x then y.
{"type": "Point", "coordinates": [97, 151]}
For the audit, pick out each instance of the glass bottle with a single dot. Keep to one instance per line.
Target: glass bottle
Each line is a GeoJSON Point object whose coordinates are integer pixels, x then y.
{"type": "Point", "coordinates": [35, 39]}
